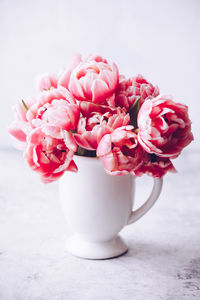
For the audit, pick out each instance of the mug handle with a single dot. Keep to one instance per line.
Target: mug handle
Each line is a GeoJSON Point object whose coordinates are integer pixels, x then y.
{"type": "Point", "coordinates": [138, 213]}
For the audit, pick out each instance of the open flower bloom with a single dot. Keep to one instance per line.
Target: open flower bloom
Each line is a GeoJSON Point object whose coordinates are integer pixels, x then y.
{"type": "Point", "coordinates": [129, 90]}
{"type": "Point", "coordinates": [120, 152]}
{"type": "Point", "coordinates": [164, 127]}
{"type": "Point", "coordinates": [93, 80]}
{"type": "Point", "coordinates": [154, 165]}
{"type": "Point", "coordinates": [21, 126]}
{"type": "Point", "coordinates": [46, 81]}
{"type": "Point", "coordinates": [50, 156]}
{"type": "Point", "coordinates": [64, 76]}
{"type": "Point", "coordinates": [56, 107]}
{"type": "Point", "coordinates": [96, 121]}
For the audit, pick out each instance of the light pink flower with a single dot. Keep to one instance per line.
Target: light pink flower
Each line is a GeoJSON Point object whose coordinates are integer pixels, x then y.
{"type": "Point", "coordinates": [120, 152]}
{"type": "Point", "coordinates": [50, 156]}
{"type": "Point", "coordinates": [129, 90]}
{"type": "Point", "coordinates": [64, 77]}
{"type": "Point", "coordinates": [46, 81]}
{"type": "Point", "coordinates": [164, 127]}
{"type": "Point", "coordinates": [21, 127]}
{"type": "Point", "coordinates": [96, 121]}
{"type": "Point", "coordinates": [93, 80]}
{"type": "Point", "coordinates": [56, 107]}
{"type": "Point", "coordinates": [154, 165]}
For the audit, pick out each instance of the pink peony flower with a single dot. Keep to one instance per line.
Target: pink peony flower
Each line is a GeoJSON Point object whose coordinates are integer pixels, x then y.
{"type": "Point", "coordinates": [64, 77]}
{"type": "Point", "coordinates": [46, 81]}
{"type": "Point", "coordinates": [21, 127]}
{"type": "Point", "coordinates": [120, 152]}
{"type": "Point", "coordinates": [154, 165]}
{"type": "Point", "coordinates": [129, 90]}
{"type": "Point", "coordinates": [96, 121]}
{"type": "Point", "coordinates": [93, 80]}
{"type": "Point", "coordinates": [56, 107]}
{"type": "Point", "coordinates": [164, 127]}
{"type": "Point", "coordinates": [50, 156]}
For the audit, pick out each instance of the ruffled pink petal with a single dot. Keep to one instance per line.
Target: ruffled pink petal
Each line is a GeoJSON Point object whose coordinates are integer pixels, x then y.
{"type": "Point", "coordinates": [86, 140]}
{"type": "Point", "coordinates": [99, 90]}
{"type": "Point", "coordinates": [104, 146]}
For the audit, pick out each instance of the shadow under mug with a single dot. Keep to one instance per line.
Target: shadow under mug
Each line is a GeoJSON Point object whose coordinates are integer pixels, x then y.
{"type": "Point", "coordinates": [97, 206]}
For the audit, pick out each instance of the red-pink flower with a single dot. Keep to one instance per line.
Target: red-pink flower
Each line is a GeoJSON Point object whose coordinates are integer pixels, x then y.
{"type": "Point", "coordinates": [164, 127]}
{"type": "Point", "coordinates": [21, 127]}
{"type": "Point", "coordinates": [119, 151]}
{"type": "Point", "coordinates": [50, 156]}
{"type": "Point", "coordinates": [46, 81]}
{"type": "Point", "coordinates": [56, 107]}
{"type": "Point", "coordinates": [93, 80]}
{"type": "Point", "coordinates": [154, 165]}
{"type": "Point", "coordinates": [129, 90]}
{"type": "Point", "coordinates": [96, 121]}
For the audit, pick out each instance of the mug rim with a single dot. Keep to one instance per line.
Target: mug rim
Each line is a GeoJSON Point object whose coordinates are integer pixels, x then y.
{"type": "Point", "coordinates": [90, 159]}
{"type": "Point", "coordinates": [96, 161]}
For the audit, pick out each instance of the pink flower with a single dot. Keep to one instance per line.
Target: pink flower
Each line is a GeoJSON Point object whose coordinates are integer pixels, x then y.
{"type": "Point", "coordinates": [96, 121]}
{"type": "Point", "coordinates": [154, 165]}
{"type": "Point", "coordinates": [129, 90]}
{"type": "Point", "coordinates": [164, 127]}
{"type": "Point", "coordinates": [50, 156]}
{"type": "Point", "coordinates": [93, 80]}
{"type": "Point", "coordinates": [119, 151]}
{"type": "Point", "coordinates": [46, 81]}
{"type": "Point", "coordinates": [56, 107]}
{"type": "Point", "coordinates": [64, 77]}
{"type": "Point", "coordinates": [21, 127]}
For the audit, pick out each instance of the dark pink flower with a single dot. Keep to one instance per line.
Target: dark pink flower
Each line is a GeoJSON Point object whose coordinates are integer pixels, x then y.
{"type": "Point", "coordinates": [96, 121]}
{"type": "Point", "coordinates": [50, 156]}
{"type": "Point", "coordinates": [119, 151]}
{"type": "Point", "coordinates": [154, 165]}
{"type": "Point", "coordinates": [129, 90]}
{"type": "Point", "coordinates": [164, 127]}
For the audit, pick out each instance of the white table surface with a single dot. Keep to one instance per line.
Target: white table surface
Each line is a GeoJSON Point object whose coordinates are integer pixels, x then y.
{"type": "Point", "coordinates": [163, 261]}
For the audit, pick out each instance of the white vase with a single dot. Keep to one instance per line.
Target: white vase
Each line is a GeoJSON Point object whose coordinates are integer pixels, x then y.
{"type": "Point", "coordinates": [97, 206]}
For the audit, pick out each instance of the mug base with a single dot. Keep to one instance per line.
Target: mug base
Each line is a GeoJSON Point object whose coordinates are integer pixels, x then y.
{"type": "Point", "coordinates": [96, 250]}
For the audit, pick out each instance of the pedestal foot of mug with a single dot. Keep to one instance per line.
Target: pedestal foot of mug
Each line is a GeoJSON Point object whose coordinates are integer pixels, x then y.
{"type": "Point", "coordinates": [96, 250]}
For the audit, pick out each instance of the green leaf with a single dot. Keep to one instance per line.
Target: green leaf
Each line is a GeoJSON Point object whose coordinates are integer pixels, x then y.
{"type": "Point", "coordinates": [25, 107]}
{"type": "Point", "coordinates": [133, 112]}
{"type": "Point", "coordinates": [137, 101]}
{"type": "Point", "coordinates": [72, 131]}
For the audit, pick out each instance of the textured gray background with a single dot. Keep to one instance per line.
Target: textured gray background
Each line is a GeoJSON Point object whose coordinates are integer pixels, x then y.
{"type": "Point", "coordinates": [163, 261]}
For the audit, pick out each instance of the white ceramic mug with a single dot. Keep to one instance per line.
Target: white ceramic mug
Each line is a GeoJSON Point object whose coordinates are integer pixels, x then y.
{"type": "Point", "coordinates": [97, 206]}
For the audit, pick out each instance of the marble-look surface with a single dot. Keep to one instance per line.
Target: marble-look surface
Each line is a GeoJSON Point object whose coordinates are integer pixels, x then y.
{"type": "Point", "coordinates": [163, 261]}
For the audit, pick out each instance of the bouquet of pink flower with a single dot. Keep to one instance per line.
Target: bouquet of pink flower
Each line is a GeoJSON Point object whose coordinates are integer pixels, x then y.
{"type": "Point", "coordinates": [89, 109]}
